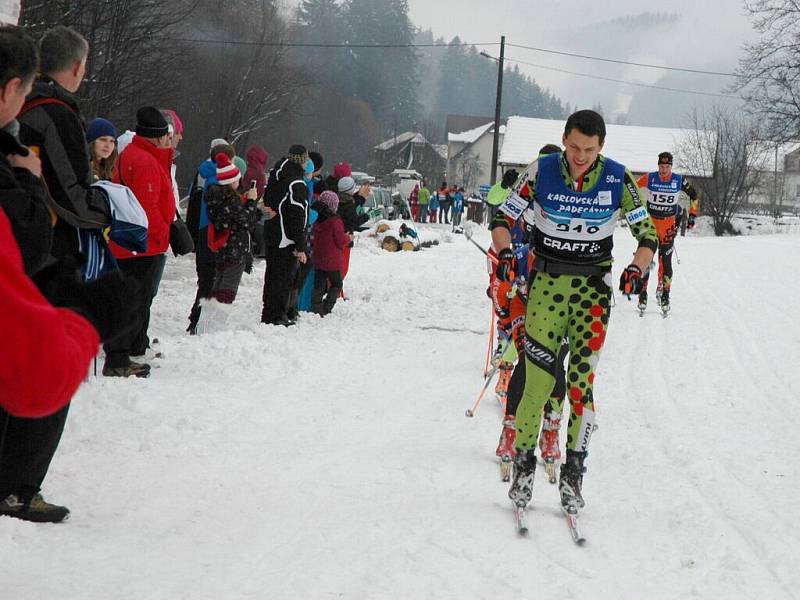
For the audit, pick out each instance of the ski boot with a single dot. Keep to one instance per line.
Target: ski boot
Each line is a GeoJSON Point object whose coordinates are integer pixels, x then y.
{"type": "Point", "coordinates": [571, 480]}
{"type": "Point", "coordinates": [505, 448]}
{"type": "Point", "coordinates": [521, 489]}
{"type": "Point", "coordinates": [642, 306]}
{"type": "Point", "coordinates": [665, 303]}
{"type": "Point", "coordinates": [548, 444]}
{"type": "Point", "coordinates": [503, 379]}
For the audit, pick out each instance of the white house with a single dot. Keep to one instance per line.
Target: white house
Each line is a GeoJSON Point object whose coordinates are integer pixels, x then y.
{"type": "Point", "coordinates": [469, 155]}
{"type": "Point", "coordinates": [778, 168]}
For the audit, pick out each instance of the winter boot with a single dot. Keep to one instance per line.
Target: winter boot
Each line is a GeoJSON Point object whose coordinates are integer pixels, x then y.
{"type": "Point", "coordinates": [642, 301]}
{"type": "Point", "coordinates": [134, 369]}
{"type": "Point", "coordinates": [505, 448]}
{"type": "Point", "coordinates": [521, 489]}
{"type": "Point", "coordinates": [571, 480]}
{"type": "Point", "coordinates": [504, 378]}
{"type": "Point", "coordinates": [36, 509]}
{"type": "Point", "coordinates": [548, 438]}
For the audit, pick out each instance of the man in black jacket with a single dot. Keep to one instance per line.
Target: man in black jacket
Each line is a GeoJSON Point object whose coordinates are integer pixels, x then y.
{"type": "Point", "coordinates": [51, 124]}
{"type": "Point", "coordinates": [22, 195]}
{"type": "Point", "coordinates": [285, 234]}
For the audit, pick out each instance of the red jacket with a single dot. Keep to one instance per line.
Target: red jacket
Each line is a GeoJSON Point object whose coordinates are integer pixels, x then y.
{"type": "Point", "coordinates": [329, 243]}
{"type": "Point", "coordinates": [47, 350]}
{"type": "Point", "coordinates": [145, 169]}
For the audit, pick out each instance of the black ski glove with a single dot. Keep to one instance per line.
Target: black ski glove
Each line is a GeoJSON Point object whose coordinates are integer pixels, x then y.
{"type": "Point", "coordinates": [506, 265]}
{"type": "Point", "coordinates": [509, 179]}
{"type": "Point", "coordinates": [631, 282]}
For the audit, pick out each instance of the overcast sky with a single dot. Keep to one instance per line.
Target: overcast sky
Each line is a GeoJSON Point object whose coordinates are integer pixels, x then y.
{"type": "Point", "coordinates": [689, 33]}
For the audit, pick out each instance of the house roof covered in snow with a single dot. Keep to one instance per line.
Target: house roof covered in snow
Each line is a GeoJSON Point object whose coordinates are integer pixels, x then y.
{"type": "Point", "coordinates": [408, 136]}
{"type": "Point", "coordinates": [635, 147]}
{"type": "Point", "coordinates": [470, 136]}
{"type": "Point", "coordinates": [459, 123]}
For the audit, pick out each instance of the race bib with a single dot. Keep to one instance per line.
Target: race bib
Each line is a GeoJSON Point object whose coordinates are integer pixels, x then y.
{"type": "Point", "coordinates": [514, 206]}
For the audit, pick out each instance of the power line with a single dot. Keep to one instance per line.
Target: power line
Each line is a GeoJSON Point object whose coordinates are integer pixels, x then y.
{"type": "Point", "coordinates": [625, 62]}
{"type": "Point", "coordinates": [636, 83]}
{"type": "Point", "coordinates": [522, 62]}
{"type": "Point", "coordinates": [312, 45]}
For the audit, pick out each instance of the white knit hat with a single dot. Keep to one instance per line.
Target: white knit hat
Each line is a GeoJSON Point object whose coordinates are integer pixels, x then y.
{"type": "Point", "coordinates": [218, 142]}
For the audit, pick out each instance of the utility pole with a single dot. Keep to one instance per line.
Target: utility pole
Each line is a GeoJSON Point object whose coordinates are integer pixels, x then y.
{"type": "Point", "coordinates": [496, 140]}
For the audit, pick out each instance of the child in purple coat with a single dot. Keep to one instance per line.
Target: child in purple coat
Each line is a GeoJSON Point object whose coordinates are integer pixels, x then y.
{"type": "Point", "coordinates": [330, 240]}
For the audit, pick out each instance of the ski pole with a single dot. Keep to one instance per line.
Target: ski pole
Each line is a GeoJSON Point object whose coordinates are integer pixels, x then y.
{"type": "Point", "coordinates": [678, 258]}
{"type": "Point", "coordinates": [477, 245]}
{"type": "Point", "coordinates": [470, 412]}
{"type": "Point", "coordinates": [491, 342]}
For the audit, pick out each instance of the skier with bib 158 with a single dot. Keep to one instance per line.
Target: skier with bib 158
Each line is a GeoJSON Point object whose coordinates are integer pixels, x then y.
{"type": "Point", "coordinates": [662, 189]}
{"type": "Point", "coordinates": [576, 197]}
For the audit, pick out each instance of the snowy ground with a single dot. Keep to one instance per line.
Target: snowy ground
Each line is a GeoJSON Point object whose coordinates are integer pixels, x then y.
{"type": "Point", "coordinates": [333, 459]}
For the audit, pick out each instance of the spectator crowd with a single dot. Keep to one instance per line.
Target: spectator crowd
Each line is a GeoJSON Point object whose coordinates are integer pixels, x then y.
{"type": "Point", "coordinates": [87, 215]}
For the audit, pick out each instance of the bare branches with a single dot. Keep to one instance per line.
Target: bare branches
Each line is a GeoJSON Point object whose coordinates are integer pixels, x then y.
{"type": "Point", "coordinates": [724, 142]}
{"type": "Point", "coordinates": [132, 55]}
{"type": "Point", "coordinates": [768, 74]}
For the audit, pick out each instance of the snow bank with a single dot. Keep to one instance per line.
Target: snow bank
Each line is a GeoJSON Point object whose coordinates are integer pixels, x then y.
{"type": "Point", "coordinates": [333, 458]}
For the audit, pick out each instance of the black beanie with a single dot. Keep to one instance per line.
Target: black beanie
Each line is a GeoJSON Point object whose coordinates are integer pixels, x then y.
{"type": "Point", "coordinates": [298, 154]}
{"type": "Point", "coordinates": [316, 158]}
{"type": "Point", "coordinates": [150, 123]}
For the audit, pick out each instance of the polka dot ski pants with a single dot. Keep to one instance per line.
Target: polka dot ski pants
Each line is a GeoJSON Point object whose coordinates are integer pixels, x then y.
{"type": "Point", "coordinates": [577, 306]}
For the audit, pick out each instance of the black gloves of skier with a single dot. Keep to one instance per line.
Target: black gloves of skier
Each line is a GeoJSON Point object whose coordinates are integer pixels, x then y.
{"type": "Point", "coordinates": [631, 282]}
{"type": "Point", "coordinates": [509, 179]}
{"type": "Point", "coordinates": [506, 265]}
{"type": "Point", "coordinates": [110, 303]}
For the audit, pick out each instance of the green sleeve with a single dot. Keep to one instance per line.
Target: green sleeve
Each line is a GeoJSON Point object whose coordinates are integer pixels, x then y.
{"type": "Point", "coordinates": [642, 228]}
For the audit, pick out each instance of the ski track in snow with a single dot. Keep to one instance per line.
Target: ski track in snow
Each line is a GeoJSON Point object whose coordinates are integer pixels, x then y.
{"type": "Point", "coordinates": [333, 460]}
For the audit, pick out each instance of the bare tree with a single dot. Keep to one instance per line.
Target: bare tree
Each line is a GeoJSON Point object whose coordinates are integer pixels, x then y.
{"type": "Point", "coordinates": [468, 169]}
{"type": "Point", "coordinates": [244, 85]}
{"type": "Point", "coordinates": [133, 55]}
{"type": "Point", "coordinates": [769, 74]}
{"type": "Point", "coordinates": [725, 163]}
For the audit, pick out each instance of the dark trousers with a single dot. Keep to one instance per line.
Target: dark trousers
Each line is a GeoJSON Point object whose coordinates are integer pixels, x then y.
{"type": "Point", "coordinates": [26, 448]}
{"type": "Point", "coordinates": [145, 271]}
{"type": "Point", "coordinates": [227, 278]}
{"type": "Point", "coordinates": [297, 284]}
{"type": "Point", "coordinates": [279, 280]}
{"type": "Point", "coordinates": [205, 268]}
{"type": "Point", "coordinates": [327, 285]}
{"type": "Point", "coordinates": [444, 211]}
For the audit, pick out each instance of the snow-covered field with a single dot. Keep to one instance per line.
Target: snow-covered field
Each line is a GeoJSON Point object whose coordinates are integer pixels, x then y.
{"type": "Point", "coordinates": [333, 459]}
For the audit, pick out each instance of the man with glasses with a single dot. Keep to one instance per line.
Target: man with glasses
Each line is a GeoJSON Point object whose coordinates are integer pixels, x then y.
{"type": "Point", "coordinates": [662, 189]}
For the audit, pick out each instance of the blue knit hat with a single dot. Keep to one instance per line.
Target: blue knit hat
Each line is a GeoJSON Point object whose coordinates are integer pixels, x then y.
{"type": "Point", "coordinates": [99, 128]}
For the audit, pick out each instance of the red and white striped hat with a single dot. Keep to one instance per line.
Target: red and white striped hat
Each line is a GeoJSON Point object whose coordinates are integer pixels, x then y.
{"type": "Point", "coordinates": [227, 173]}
